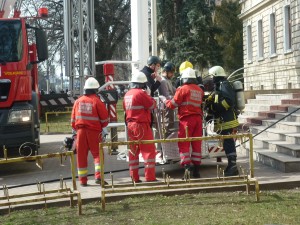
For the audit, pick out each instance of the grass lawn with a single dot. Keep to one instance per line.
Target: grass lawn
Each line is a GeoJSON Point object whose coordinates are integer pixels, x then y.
{"type": "Point", "coordinates": [60, 122]}
{"type": "Point", "coordinates": [275, 207]}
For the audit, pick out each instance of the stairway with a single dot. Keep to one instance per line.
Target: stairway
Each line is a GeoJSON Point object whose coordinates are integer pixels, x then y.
{"type": "Point", "coordinates": [279, 145]}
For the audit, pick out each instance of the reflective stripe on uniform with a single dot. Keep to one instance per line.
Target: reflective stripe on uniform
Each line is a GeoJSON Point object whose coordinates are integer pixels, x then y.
{"type": "Point", "coordinates": [196, 154]}
{"type": "Point", "coordinates": [97, 167]}
{"type": "Point", "coordinates": [187, 159]}
{"type": "Point", "coordinates": [216, 98]}
{"type": "Point", "coordinates": [184, 154]}
{"type": "Point", "coordinates": [82, 172]}
{"type": "Point", "coordinates": [88, 118]}
{"type": "Point", "coordinates": [174, 103]}
{"type": "Point", "coordinates": [131, 167]}
{"type": "Point", "coordinates": [134, 161]}
{"type": "Point", "coordinates": [149, 165]}
{"type": "Point", "coordinates": [227, 125]}
{"type": "Point", "coordinates": [191, 103]}
{"type": "Point", "coordinates": [103, 121]}
{"type": "Point", "coordinates": [225, 104]}
{"type": "Point", "coordinates": [153, 106]}
{"type": "Point", "coordinates": [149, 160]}
{"type": "Point", "coordinates": [130, 107]}
{"type": "Point", "coordinates": [196, 159]}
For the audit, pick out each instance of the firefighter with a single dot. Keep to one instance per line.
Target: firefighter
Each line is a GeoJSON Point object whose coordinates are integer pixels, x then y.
{"type": "Point", "coordinates": [183, 66]}
{"type": "Point", "coordinates": [221, 104]}
{"type": "Point", "coordinates": [138, 106]}
{"type": "Point", "coordinates": [167, 89]}
{"type": "Point", "coordinates": [89, 118]}
{"type": "Point", "coordinates": [188, 99]}
{"type": "Point", "coordinates": [151, 72]}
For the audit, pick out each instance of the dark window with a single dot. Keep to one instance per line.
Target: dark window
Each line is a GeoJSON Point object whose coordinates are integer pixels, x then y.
{"type": "Point", "coordinates": [10, 41]}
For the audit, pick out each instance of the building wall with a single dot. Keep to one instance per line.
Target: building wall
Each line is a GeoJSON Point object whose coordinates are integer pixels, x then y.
{"type": "Point", "coordinates": [272, 71]}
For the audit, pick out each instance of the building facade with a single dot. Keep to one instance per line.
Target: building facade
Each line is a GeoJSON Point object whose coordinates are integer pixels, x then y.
{"type": "Point", "coordinates": [271, 37]}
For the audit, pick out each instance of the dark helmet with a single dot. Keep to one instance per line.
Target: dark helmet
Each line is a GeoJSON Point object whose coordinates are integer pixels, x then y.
{"type": "Point", "coordinates": [169, 67]}
{"type": "Point", "coordinates": [153, 60]}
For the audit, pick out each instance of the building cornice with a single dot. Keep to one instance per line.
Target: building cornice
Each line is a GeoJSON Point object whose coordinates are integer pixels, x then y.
{"type": "Point", "coordinates": [255, 8]}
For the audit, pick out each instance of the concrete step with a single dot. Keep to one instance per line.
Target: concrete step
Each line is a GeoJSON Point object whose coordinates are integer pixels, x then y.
{"type": "Point", "coordinates": [279, 146]}
{"type": "Point", "coordinates": [293, 138]}
{"type": "Point", "coordinates": [262, 142]}
{"type": "Point", "coordinates": [250, 113]}
{"type": "Point", "coordinates": [257, 107]}
{"type": "Point", "coordinates": [276, 96]}
{"type": "Point", "coordinates": [255, 120]}
{"type": "Point", "coordinates": [279, 161]}
{"type": "Point", "coordinates": [291, 118]}
{"type": "Point", "coordinates": [282, 125]}
{"type": "Point", "coordinates": [271, 133]}
{"type": "Point", "coordinates": [293, 108]}
{"type": "Point", "coordinates": [294, 101]}
{"type": "Point", "coordinates": [264, 101]}
{"type": "Point", "coordinates": [269, 114]}
{"type": "Point", "coordinates": [282, 107]}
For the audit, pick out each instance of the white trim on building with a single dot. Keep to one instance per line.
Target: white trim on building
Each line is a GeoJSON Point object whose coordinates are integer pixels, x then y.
{"type": "Point", "coordinates": [271, 35]}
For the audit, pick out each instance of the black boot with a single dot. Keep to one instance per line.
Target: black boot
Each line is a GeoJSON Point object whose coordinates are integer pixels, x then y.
{"type": "Point", "coordinates": [231, 169]}
{"type": "Point", "coordinates": [187, 169]}
{"type": "Point", "coordinates": [196, 173]}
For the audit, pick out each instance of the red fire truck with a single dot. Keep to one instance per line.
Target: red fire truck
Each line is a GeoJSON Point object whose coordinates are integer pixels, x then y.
{"type": "Point", "coordinates": [22, 47]}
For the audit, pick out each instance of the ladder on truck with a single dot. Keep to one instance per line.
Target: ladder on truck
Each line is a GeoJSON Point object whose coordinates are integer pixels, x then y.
{"type": "Point", "coordinates": [6, 6]}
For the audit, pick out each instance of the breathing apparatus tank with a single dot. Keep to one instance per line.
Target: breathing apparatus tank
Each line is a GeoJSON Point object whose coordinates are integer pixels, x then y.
{"type": "Point", "coordinates": [239, 94]}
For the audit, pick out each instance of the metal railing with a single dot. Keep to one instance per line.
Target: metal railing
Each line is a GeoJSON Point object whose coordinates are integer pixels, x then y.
{"type": "Point", "coordinates": [167, 184]}
{"type": "Point", "coordinates": [59, 124]}
{"type": "Point", "coordinates": [43, 195]}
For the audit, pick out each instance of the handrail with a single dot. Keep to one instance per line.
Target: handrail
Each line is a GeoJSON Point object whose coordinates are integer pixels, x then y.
{"type": "Point", "coordinates": [269, 126]}
{"type": "Point", "coordinates": [276, 122]}
{"type": "Point", "coordinates": [113, 82]}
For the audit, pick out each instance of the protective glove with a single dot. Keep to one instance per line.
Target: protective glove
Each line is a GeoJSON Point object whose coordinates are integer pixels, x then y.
{"type": "Point", "coordinates": [104, 131]}
{"type": "Point", "coordinates": [158, 78]}
{"type": "Point", "coordinates": [148, 91]}
{"type": "Point", "coordinates": [162, 98]}
{"type": "Point", "coordinates": [210, 98]}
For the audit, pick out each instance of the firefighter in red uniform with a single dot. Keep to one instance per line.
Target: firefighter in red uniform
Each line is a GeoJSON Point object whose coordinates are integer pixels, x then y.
{"type": "Point", "coordinates": [89, 117]}
{"type": "Point", "coordinates": [138, 105]}
{"type": "Point", "coordinates": [188, 99]}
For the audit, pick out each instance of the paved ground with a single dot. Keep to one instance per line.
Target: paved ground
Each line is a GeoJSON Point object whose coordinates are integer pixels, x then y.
{"type": "Point", "coordinates": [23, 177]}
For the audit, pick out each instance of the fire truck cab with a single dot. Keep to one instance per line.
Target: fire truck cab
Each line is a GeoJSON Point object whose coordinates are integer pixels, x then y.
{"type": "Point", "coordinates": [22, 47]}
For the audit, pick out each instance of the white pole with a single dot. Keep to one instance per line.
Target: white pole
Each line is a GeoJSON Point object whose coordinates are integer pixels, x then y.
{"type": "Point", "coordinates": [154, 27]}
{"type": "Point", "coordinates": [139, 33]}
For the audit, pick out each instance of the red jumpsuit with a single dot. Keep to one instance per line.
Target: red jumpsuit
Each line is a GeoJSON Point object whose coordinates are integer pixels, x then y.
{"type": "Point", "coordinates": [89, 116]}
{"type": "Point", "coordinates": [188, 99]}
{"type": "Point", "coordinates": [138, 105]}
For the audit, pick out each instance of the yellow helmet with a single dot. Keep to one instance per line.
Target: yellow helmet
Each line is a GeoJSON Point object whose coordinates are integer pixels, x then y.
{"type": "Point", "coordinates": [188, 73]}
{"type": "Point", "coordinates": [185, 65]}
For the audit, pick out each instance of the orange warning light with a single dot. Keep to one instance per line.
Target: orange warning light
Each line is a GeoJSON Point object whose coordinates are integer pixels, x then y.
{"type": "Point", "coordinates": [43, 12]}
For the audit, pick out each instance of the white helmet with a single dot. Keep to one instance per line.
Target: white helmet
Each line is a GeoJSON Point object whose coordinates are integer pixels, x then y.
{"type": "Point", "coordinates": [188, 73]}
{"type": "Point", "coordinates": [217, 71]}
{"type": "Point", "coordinates": [91, 83]}
{"type": "Point", "coordinates": [139, 77]}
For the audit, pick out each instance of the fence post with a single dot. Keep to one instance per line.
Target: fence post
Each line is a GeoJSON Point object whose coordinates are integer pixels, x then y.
{"type": "Point", "coordinates": [109, 73]}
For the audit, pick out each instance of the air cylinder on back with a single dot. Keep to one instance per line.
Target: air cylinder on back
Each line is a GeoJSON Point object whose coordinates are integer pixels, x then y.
{"type": "Point", "coordinates": [240, 96]}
